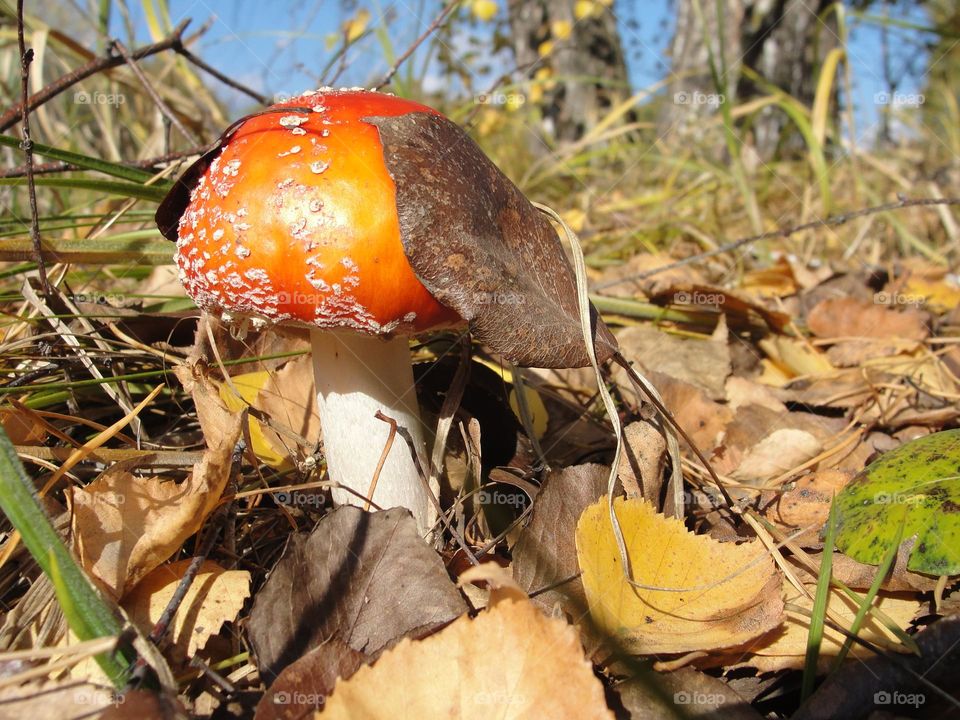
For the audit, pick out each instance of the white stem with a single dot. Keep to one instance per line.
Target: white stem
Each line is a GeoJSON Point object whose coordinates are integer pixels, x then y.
{"type": "Point", "coordinates": [357, 375]}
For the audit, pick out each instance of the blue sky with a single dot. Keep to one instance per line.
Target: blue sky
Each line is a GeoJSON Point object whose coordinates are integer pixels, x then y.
{"type": "Point", "coordinates": [279, 47]}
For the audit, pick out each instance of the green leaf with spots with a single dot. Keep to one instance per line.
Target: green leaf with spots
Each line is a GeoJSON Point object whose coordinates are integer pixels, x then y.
{"type": "Point", "coordinates": [917, 484]}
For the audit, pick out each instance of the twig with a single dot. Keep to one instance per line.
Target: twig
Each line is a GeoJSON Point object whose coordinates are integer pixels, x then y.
{"type": "Point", "coordinates": [833, 221]}
{"type": "Point", "coordinates": [405, 434]}
{"type": "Point", "coordinates": [183, 52]}
{"type": "Point", "coordinates": [437, 22]}
{"type": "Point", "coordinates": [26, 57]}
{"type": "Point", "coordinates": [13, 115]}
{"type": "Point", "coordinates": [152, 92]}
{"type": "Point", "coordinates": [213, 531]}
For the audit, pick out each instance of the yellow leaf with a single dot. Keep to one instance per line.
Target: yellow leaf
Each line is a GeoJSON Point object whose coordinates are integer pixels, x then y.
{"type": "Point", "coordinates": [539, 417]}
{"type": "Point", "coordinates": [561, 29]}
{"type": "Point", "coordinates": [215, 597]}
{"type": "Point", "coordinates": [510, 662]}
{"type": "Point", "coordinates": [939, 295]}
{"type": "Point", "coordinates": [734, 590]}
{"type": "Point", "coordinates": [786, 648]}
{"type": "Point", "coordinates": [483, 10]}
{"type": "Point", "coordinates": [794, 357]}
{"type": "Point", "coordinates": [546, 47]}
{"type": "Point", "coordinates": [355, 27]}
{"type": "Point", "coordinates": [249, 386]}
{"type": "Point", "coordinates": [288, 398]}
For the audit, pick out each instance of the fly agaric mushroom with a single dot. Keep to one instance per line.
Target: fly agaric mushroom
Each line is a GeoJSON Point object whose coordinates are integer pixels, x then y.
{"type": "Point", "coordinates": [368, 218]}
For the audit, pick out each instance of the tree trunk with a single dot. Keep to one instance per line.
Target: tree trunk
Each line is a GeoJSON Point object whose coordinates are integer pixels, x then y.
{"type": "Point", "coordinates": [783, 41]}
{"type": "Point", "coordinates": [587, 68]}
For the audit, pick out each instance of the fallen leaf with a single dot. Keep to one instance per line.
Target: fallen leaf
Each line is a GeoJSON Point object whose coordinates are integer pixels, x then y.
{"type": "Point", "coordinates": [545, 555]}
{"type": "Point", "coordinates": [686, 693]}
{"type": "Point", "coordinates": [780, 451]}
{"type": "Point", "coordinates": [642, 461]}
{"type": "Point", "coordinates": [792, 358]}
{"type": "Point", "coordinates": [304, 685]}
{"type": "Point", "coordinates": [916, 485]}
{"type": "Point", "coordinates": [807, 504]}
{"type": "Point", "coordinates": [125, 526]}
{"type": "Point", "coordinates": [733, 595]}
{"type": "Point", "coordinates": [510, 662]}
{"type": "Point", "coordinates": [363, 578]}
{"type": "Point", "coordinates": [215, 597]}
{"type": "Point", "coordinates": [786, 647]}
{"type": "Point", "coordinates": [850, 317]}
{"type": "Point", "coordinates": [703, 363]}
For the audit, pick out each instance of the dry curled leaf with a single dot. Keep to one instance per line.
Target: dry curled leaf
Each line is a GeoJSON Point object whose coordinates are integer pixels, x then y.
{"type": "Point", "coordinates": [734, 590]}
{"type": "Point", "coordinates": [124, 526]}
{"type": "Point", "coordinates": [496, 260]}
{"type": "Point", "coordinates": [215, 597]}
{"type": "Point", "coordinates": [510, 662]}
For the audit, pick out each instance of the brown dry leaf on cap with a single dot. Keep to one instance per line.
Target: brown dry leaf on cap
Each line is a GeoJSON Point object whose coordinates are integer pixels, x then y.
{"type": "Point", "coordinates": [496, 260]}
{"type": "Point", "coordinates": [786, 647]}
{"type": "Point", "coordinates": [124, 526]}
{"type": "Point", "coordinates": [215, 597]}
{"type": "Point", "coordinates": [510, 662]}
{"type": "Point", "coordinates": [807, 504]}
{"type": "Point", "coordinates": [737, 595]}
{"type": "Point", "coordinates": [364, 578]}
{"type": "Point", "coordinates": [703, 363]}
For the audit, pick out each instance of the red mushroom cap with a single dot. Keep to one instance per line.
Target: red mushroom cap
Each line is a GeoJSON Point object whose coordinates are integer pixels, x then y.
{"type": "Point", "coordinates": [296, 221]}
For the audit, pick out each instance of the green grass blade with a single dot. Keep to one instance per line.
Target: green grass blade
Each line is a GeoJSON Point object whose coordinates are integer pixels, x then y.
{"type": "Point", "coordinates": [819, 612]}
{"type": "Point", "coordinates": [864, 608]}
{"type": "Point", "coordinates": [124, 172]}
{"type": "Point", "coordinates": [152, 193]}
{"type": "Point", "coordinates": [88, 614]}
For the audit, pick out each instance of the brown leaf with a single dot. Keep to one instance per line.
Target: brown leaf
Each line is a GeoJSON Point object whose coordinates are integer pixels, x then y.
{"type": "Point", "coordinates": [305, 684]}
{"type": "Point", "coordinates": [700, 417]}
{"type": "Point", "coordinates": [694, 694]}
{"type": "Point", "coordinates": [642, 462]}
{"type": "Point", "coordinates": [510, 662]}
{"type": "Point", "coordinates": [125, 526]}
{"type": "Point", "coordinates": [481, 248]}
{"type": "Point", "coordinates": [363, 578]}
{"type": "Point", "coordinates": [546, 552]}
{"type": "Point", "coordinates": [808, 504]}
{"type": "Point", "coordinates": [705, 364]}
{"type": "Point", "coordinates": [850, 317]}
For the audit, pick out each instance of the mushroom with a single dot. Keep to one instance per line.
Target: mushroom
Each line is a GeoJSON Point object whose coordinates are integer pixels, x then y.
{"type": "Point", "coordinates": [368, 218]}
